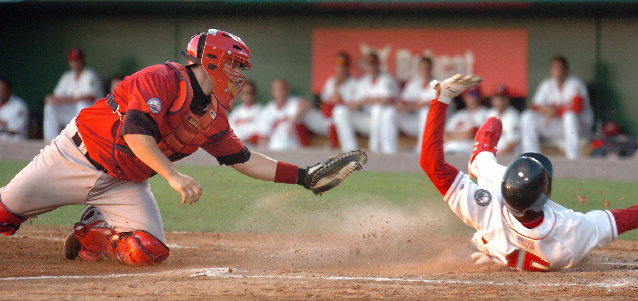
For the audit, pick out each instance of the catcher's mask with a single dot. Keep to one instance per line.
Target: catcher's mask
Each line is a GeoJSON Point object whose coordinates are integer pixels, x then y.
{"type": "Point", "coordinates": [222, 54]}
{"type": "Point", "coordinates": [526, 186]}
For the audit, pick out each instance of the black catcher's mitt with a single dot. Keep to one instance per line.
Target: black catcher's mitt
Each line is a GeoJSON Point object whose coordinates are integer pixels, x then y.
{"type": "Point", "coordinates": [327, 175]}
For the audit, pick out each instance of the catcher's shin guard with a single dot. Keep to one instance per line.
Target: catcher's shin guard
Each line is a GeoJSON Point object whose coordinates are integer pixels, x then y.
{"type": "Point", "coordinates": [9, 222]}
{"type": "Point", "coordinates": [134, 248]}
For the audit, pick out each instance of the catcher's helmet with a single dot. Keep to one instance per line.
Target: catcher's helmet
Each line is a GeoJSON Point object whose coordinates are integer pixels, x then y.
{"type": "Point", "coordinates": [213, 49]}
{"type": "Point", "coordinates": [525, 186]}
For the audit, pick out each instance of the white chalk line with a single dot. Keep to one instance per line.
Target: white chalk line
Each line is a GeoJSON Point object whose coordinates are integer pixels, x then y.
{"type": "Point", "coordinates": [246, 274]}
{"type": "Point", "coordinates": [223, 273]}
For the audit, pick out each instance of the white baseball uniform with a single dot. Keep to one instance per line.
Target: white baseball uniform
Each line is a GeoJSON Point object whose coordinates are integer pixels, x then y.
{"type": "Point", "coordinates": [347, 90]}
{"type": "Point", "coordinates": [14, 117]}
{"type": "Point", "coordinates": [565, 129]}
{"type": "Point", "coordinates": [559, 241]}
{"type": "Point", "coordinates": [562, 239]}
{"type": "Point", "coordinates": [463, 121]}
{"type": "Point", "coordinates": [56, 116]}
{"type": "Point", "coordinates": [371, 120]}
{"type": "Point", "coordinates": [511, 126]}
{"type": "Point", "coordinates": [416, 90]}
{"type": "Point", "coordinates": [278, 124]}
{"type": "Point", "coordinates": [244, 120]}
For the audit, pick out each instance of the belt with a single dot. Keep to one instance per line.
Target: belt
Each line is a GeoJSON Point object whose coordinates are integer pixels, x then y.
{"type": "Point", "coordinates": [80, 144]}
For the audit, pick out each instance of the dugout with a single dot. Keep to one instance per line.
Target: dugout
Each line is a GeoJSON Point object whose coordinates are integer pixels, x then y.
{"type": "Point", "coordinates": [598, 38]}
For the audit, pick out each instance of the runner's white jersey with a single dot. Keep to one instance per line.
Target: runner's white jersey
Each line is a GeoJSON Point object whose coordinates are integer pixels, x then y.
{"type": "Point", "coordinates": [559, 242]}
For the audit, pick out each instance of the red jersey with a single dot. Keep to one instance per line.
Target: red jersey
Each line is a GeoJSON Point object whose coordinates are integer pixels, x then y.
{"type": "Point", "coordinates": [156, 91]}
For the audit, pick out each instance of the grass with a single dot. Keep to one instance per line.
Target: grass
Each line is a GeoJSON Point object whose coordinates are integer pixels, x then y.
{"type": "Point", "coordinates": [367, 202]}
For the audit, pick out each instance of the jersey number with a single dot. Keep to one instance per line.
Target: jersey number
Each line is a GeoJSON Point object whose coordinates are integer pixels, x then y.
{"type": "Point", "coordinates": [528, 258]}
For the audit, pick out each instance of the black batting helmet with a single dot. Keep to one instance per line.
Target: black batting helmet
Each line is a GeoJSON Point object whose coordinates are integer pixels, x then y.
{"type": "Point", "coordinates": [525, 186]}
{"type": "Point", "coordinates": [548, 167]}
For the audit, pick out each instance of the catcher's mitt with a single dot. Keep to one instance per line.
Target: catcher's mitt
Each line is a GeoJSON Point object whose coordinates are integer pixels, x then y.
{"type": "Point", "coordinates": [327, 175]}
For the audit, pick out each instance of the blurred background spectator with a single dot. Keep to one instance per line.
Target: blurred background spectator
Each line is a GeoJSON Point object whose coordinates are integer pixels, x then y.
{"type": "Point", "coordinates": [509, 116]}
{"type": "Point", "coordinates": [340, 88]}
{"type": "Point", "coordinates": [371, 112]}
{"type": "Point", "coordinates": [77, 89]}
{"type": "Point", "coordinates": [14, 114]}
{"type": "Point", "coordinates": [244, 118]}
{"type": "Point", "coordinates": [613, 143]}
{"type": "Point", "coordinates": [560, 112]}
{"type": "Point", "coordinates": [461, 127]}
{"type": "Point", "coordinates": [285, 121]}
{"type": "Point", "coordinates": [411, 110]}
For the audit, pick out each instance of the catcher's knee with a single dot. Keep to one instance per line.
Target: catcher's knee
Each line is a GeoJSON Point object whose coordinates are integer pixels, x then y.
{"type": "Point", "coordinates": [141, 248]}
{"type": "Point", "coordinates": [9, 222]}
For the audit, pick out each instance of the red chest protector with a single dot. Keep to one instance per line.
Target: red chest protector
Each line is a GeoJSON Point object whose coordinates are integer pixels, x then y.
{"type": "Point", "coordinates": [182, 132]}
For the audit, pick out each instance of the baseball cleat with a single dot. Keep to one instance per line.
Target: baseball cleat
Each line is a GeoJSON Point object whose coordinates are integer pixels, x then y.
{"type": "Point", "coordinates": [487, 138]}
{"type": "Point", "coordinates": [72, 247]}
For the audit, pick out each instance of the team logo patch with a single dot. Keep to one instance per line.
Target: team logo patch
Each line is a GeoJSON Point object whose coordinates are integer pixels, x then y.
{"type": "Point", "coordinates": [213, 114]}
{"type": "Point", "coordinates": [525, 242]}
{"type": "Point", "coordinates": [461, 186]}
{"type": "Point", "coordinates": [193, 122]}
{"type": "Point", "coordinates": [482, 197]}
{"type": "Point", "coordinates": [155, 105]}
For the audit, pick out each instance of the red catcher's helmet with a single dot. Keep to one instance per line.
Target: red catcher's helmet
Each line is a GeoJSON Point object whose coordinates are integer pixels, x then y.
{"type": "Point", "coordinates": [212, 50]}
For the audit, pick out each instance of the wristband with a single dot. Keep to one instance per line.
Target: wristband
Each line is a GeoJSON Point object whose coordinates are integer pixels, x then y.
{"type": "Point", "coordinates": [286, 173]}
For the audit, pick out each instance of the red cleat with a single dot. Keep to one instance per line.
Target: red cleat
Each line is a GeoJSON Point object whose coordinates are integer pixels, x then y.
{"type": "Point", "coordinates": [486, 139]}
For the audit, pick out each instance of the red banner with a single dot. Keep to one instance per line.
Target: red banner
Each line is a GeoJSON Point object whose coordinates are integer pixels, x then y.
{"type": "Point", "coordinates": [499, 56]}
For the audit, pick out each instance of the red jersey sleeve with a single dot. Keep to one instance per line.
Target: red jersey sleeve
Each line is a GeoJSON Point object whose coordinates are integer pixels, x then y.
{"type": "Point", "coordinates": [151, 93]}
{"type": "Point", "coordinates": [441, 173]}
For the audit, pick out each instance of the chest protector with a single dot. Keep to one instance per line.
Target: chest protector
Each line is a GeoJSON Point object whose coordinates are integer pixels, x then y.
{"type": "Point", "coordinates": [181, 131]}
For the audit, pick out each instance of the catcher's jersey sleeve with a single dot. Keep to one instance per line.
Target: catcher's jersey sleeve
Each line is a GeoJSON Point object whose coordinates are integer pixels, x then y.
{"type": "Point", "coordinates": [151, 93]}
{"type": "Point", "coordinates": [559, 242]}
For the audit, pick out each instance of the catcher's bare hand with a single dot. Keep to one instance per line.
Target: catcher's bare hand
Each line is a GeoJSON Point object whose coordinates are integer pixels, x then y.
{"type": "Point", "coordinates": [324, 176]}
{"type": "Point", "coordinates": [190, 189]}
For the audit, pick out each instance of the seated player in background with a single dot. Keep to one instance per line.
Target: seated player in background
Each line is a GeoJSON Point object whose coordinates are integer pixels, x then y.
{"type": "Point", "coordinates": [461, 128]}
{"type": "Point", "coordinates": [339, 89]}
{"type": "Point", "coordinates": [560, 113]}
{"type": "Point", "coordinates": [411, 110]}
{"type": "Point", "coordinates": [14, 113]}
{"type": "Point", "coordinates": [244, 118]}
{"type": "Point", "coordinates": [287, 120]}
{"type": "Point", "coordinates": [370, 113]}
{"type": "Point", "coordinates": [517, 225]}
{"type": "Point", "coordinates": [509, 116]}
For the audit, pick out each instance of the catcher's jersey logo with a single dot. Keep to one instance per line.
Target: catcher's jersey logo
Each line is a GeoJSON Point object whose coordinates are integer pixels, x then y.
{"type": "Point", "coordinates": [193, 122]}
{"type": "Point", "coordinates": [482, 197]}
{"type": "Point", "coordinates": [155, 105]}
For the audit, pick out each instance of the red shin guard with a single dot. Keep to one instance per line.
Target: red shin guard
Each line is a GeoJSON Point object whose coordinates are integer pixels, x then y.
{"type": "Point", "coordinates": [9, 223]}
{"type": "Point", "coordinates": [133, 248]}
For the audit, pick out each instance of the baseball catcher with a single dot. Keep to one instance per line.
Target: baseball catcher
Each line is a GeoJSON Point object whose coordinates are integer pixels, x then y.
{"type": "Point", "coordinates": [517, 224]}
{"type": "Point", "coordinates": [159, 115]}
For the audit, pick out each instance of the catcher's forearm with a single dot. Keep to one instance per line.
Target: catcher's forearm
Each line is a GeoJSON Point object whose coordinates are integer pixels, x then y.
{"type": "Point", "coordinates": [261, 167]}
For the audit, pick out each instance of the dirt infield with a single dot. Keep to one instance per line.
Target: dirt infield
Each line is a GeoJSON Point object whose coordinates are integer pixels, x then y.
{"type": "Point", "coordinates": [217, 266]}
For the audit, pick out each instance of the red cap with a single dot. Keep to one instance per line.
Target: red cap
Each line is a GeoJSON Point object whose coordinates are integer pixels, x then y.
{"type": "Point", "coordinates": [611, 128]}
{"type": "Point", "coordinates": [76, 54]}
